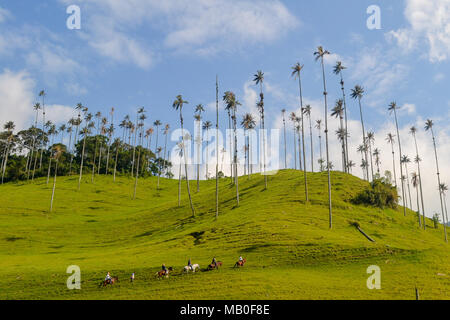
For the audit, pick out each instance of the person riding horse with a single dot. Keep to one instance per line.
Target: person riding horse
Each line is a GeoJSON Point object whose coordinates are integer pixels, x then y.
{"type": "Point", "coordinates": [164, 268]}
{"type": "Point", "coordinates": [190, 264]}
{"type": "Point", "coordinates": [214, 262]}
{"type": "Point", "coordinates": [108, 278]}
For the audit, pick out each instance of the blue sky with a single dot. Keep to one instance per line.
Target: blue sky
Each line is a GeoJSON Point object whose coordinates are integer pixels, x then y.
{"type": "Point", "coordinates": [135, 53]}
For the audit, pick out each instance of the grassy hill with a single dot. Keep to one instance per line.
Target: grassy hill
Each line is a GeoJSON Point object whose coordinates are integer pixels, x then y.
{"type": "Point", "coordinates": [291, 252]}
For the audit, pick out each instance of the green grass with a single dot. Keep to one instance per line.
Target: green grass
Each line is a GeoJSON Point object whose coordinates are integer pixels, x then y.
{"type": "Point", "coordinates": [291, 252]}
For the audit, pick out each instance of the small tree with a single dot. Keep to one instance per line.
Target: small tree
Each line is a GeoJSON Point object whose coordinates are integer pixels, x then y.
{"type": "Point", "coordinates": [436, 220]}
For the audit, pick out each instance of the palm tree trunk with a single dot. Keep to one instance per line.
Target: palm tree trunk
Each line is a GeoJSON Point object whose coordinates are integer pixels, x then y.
{"type": "Point", "coordinates": [420, 182]}
{"type": "Point", "coordinates": [364, 137]}
{"type": "Point", "coordinates": [186, 167]}
{"type": "Point", "coordinates": [401, 168]}
{"type": "Point", "coordinates": [311, 144]}
{"type": "Point", "coordinates": [82, 161]}
{"type": "Point", "coordinates": [115, 161]}
{"type": "Point", "coordinates": [50, 160]}
{"type": "Point", "coordinates": [327, 150]}
{"type": "Point", "coordinates": [439, 184]}
{"type": "Point", "coordinates": [418, 205]}
{"type": "Point", "coordinates": [217, 147]}
{"type": "Point", "coordinates": [295, 147]}
{"type": "Point", "coordinates": [5, 162]}
{"type": "Point", "coordinates": [409, 188]}
{"type": "Point", "coordinates": [54, 185]}
{"type": "Point", "coordinates": [179, 184]}
{"type": "Point", "coordinates": [303, 138]}
{"type": "Point", "coordinates": [285, 151]}
{"type": "Point", "coordinates": [346, 121]}
{"type": "Point", "coordinates": [235, 157]}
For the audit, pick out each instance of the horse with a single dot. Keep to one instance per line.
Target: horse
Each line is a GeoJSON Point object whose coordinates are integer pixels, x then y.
{"type": "Point", "coordinates": [213, 266]}
{"type": "Point", "coordinates": [113, 280]}
{"type": "Point", "coordinates": [163, 273]}
{"type": "Point", "coordinates": [193, 268]}
{"type": "Point", "coordinates": [240, 263]}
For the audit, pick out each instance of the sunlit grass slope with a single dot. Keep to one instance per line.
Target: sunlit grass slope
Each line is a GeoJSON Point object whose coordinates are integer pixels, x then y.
{"type": "Point", "coordinates": [291, 252]}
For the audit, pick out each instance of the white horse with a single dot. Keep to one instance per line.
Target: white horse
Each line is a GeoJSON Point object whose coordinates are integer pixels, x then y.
{"type": "Point", "coordinates": [194, 268]}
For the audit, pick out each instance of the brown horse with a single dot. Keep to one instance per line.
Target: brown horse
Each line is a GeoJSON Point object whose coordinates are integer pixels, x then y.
{"type": "Point", "coordinates": [240, 263]}
{"type": "Point", "coordinates": [213, 266]}
{"type": "Point", "coordinates": [163, 273]}
{"type": "Point", "coordinates": [111, 282]}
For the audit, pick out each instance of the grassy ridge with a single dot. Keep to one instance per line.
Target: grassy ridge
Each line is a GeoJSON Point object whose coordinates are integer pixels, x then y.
{"type": "Point", "coordinates": [291, 252]}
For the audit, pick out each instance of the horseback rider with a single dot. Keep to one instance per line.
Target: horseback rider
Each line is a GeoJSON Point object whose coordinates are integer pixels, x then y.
{"type": "Point", "coordinates": [190, 264]}
{"type": "Point", "coordinates": [132, 277]}
{"type": "Point", "coordinates": [164, 268]}
{"type": "Point", "coordinates": [241, 259]}
{"type": "Point", "coordinates": [214, 262]}
{"type": "Point", "coordinates": [108, 278]}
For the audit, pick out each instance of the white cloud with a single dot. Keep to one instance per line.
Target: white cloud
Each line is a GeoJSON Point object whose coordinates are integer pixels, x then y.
{"type": "Point", "coordinates": [430, 23]}
{"type": "Point", "coordinates": [202, 27]}
{"type": "Point", "coordinates": [17, 97]}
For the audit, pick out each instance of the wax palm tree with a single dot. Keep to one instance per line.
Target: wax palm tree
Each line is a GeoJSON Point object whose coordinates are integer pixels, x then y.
{"type": "Point", "coordinates": [51, 133]}
{"type": "Point", "coordinates": [259, 79]}
{"type": "Point", "coordinates": [248, 123]}
{"type": "Point", "coordinates": [320, 53]}
{"type": "Point", "coordinates": [58, 150]}
{"type": "Point", "coordinates": [77, 122]}
{"type": "Point", "coordinates": [178, 105]}
{"type": "Point", "coordinates": [298, 129]}
{"type": "Point", "coordinates": [110, 138]}
{"type": "Point", "coordinates": [199, 139]}
{"type": "Point", "coordinates": [207, 125]}
{"type": "Point", "coordinates": [98, 116]}
{"type": "Point", "coordinates": [293, 118]}
{"type": "Point", "coordinates": [166, 133]}
{"type": "Point", "coordinates": [370, 143]}
{"type": "Point", "coordinates": [351, 165]}
{"type": "Point", "coordinates": [417, 160]}
{"type": "Point", "coordinates": [180, 146]}
{"type": "Point", "coordinates": [405, 161]}
{"type": "Point", "coordinates": [391, 140]}
{"type": "Point", "coordinates": [283, 113]}
{"type": "Point", "coordinates": [85, 132]}
{"type": "Point", "coordinates": [444, 188]}
{"type": "Point", "coordinates": [157, 124]}
{"type": "Point", "coordinates": [338, 68]}
{"type": "Point", "coordinates": [9, 126]}
{"type": "Point", "coordinates": [42, 94]}
{"type": "Point", "coordinates": [338, 112]}
{"type": "Point", "coordinates": [217, 147]}
{"type": "Point", "coordinates": [376, 154]}
{"type": "Point", "coordinates": [319, 129]}
{"type": "Point", "coordinates": [362, 149]}
{"type": "Point", "coordinates": [140, 129]}
{"type": "Point", "coordinates": [357, 93]}
{"type": "Point", "coordinates": [415, 180]}
{"type": "Point", "coordinates": [393, 109]}
{"type": "Point", "coordinates": [296, 73]}
{"type": "Point", "coordinates": [36, 107]}
{"type": "Point", "coordinates": [103, 130]}
{"type": "Point", "coordinates": [307, 112]}
{"type": "Point", "coordinates": [232, 104]}
{"type": "Point", "coordinates": [429, 127]}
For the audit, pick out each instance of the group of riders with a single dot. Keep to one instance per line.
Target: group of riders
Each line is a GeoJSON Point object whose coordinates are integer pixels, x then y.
{"type": "Point", "coordinates": [165, 270]}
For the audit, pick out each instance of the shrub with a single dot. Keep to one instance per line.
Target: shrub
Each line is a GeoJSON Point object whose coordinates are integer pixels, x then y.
{"type": "Point", "coordinates": [436, 220]}
{"type": "Point", "coordinates": [380, 193]}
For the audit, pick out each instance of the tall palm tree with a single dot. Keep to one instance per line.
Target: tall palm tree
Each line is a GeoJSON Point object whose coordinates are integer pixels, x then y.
{"type": "Point", "coordinates": [57, 152]}
{"type": "Point", "coordinates": [248, 123]}
{"type": "Point", "coordinates": [9, 126]}
{"type": "Point", "coordinates": [376, 154]}
{"type": "Point", "coordinates": [140, 128]}
{"type": "Point", "coordinates": [217, 147]}
{"type": "Point", "coordinates": [393, 109]}
{"type": "Point", "coordinates": [338, 68]}
{"type": "Point", "coordinates": [362, 149]}
{"type": "Point", "coordinates": [178, 105]}
{"type": "Point", "coordinates": [259, 79]}
{"type": "Point", "coordinates": [103, 131]}
{"type": "Point", "coordinates": [293, 118]}
{"type": "Point", "coordinates": [180, 146]}
{"type": "Point", "coordinates": [351, 165]}
{"type": "Point", "coordinates": [391, 140]}
{"type": "Point", "coordinates": [320, 53]}
{"type": "Point", "coordinates": [444, 188]}
{"type": "Point", "coordinates": [296, 73]}
{"type": "Point", "coordinates": [338, 112]}
{"type": "Point", "coordinates": [85, 132]}
{"type": "Point", "coordinates": [232, 104]}
{"type": "Point", "coordinates": [405, 161]}
{"type": "Point", "coordinates": [206, 126]}
{"type": "Point", "coordinates": [166, 134]}
{"type": "Point", "coordinates": [370, 143]}
{"type": "Point", "coordinates": [157, 124]}
{"type": "Point", "coordinates": [415, 180]}
{"type": "Point", "coordinates": [417, 160]}
{"type": "Point", "coordinates": [319, 129]}
{"type": "Point", "coordinates": [110, 139]}
{"type": "Point", "coordinates": [429, 127]}
{"type": "Point", "coordinates": [36, 107]}
{"type": "Point", "coordinates": [51, 133]}
{"type": "Point", "coordinates": [199, 139]}
{"type": "Point", "coordinates": [98, 116]}
{"type": "Point", "coordinates": [77, 122]}
{"type": "Point", "coordinates": [42, 94]}
{"type": "Point", "coordinates": [357, 93]}
{"type": "Point", "coordinates": [283, 112]}
{"type": "Point", "coordinates": [307, 112]}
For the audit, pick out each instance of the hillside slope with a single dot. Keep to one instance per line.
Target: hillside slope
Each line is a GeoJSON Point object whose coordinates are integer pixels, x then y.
{"type": "Point", "coordinates": [291, 252]}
